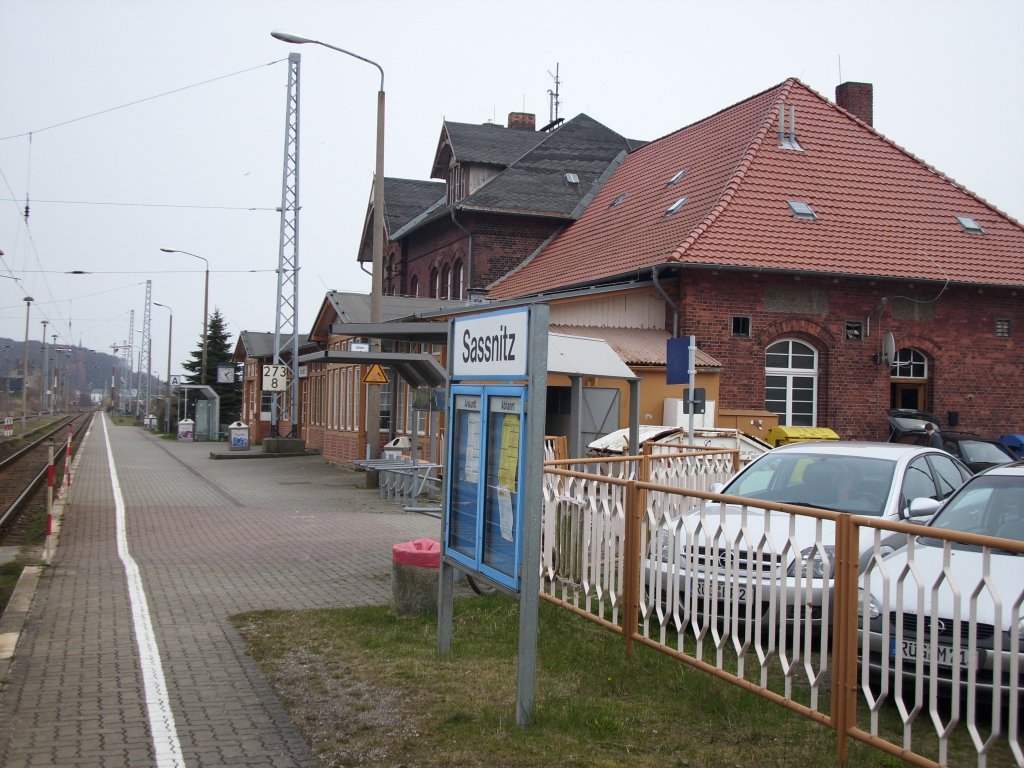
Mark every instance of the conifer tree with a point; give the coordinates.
(219, 351)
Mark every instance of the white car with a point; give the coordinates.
(742, 556)
(959, 604)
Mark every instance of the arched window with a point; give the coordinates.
(910, 363)
(414, 287)
(444, 291)
(791, 383)
(457, 279)
(433, 283)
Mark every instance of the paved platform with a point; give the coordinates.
(194, 542)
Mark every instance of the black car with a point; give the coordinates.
(908, 421)
(976, 452)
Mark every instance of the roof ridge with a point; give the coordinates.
(741, 169)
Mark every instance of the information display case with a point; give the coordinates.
(485, 499)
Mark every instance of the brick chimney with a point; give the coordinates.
(857, 99)
(522, 121)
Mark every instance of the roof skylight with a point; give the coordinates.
(572, 178)
(618, 200)
(676, 206)
(970, 225)
(677, 177)
(802, 210)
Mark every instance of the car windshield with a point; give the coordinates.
(991, 505)
(842, 483)
(978, 451)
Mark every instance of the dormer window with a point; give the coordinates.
(457, 183)
(676, 206)
(802, 210)
(676, 177)
(970, 225)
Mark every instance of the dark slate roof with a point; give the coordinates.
(259, 344)
(355, 307)
(487, 144)
(405, 199)
(536, 182)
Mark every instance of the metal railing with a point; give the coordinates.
(768, 597)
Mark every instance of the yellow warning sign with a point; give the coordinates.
(375, 375)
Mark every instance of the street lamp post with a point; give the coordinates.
(206, 308)
(24, 376)
(45, 389)
(377, 278)
(167, 401)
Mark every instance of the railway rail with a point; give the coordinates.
(23, 473)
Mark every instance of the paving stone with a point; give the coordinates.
(210, 539)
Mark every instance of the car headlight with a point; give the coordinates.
(812, 562)
(874, 607)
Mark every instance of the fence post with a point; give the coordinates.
(631, 580)
(844, 646)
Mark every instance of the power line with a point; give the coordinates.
(145, 205)
(139, 101)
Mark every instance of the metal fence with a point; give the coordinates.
(769, 597)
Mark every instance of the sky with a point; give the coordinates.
(131, 126)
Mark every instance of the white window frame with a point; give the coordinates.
(791, 373)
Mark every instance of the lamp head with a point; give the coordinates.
(286, 38)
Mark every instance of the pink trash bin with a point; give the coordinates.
(414, 569)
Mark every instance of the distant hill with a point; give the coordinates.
(86, 369)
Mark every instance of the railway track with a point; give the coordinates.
(23, 471)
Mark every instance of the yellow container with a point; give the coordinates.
(783, 435)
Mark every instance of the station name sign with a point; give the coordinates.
(491, 345)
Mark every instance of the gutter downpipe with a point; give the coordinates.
(668, 300)
(469, 253)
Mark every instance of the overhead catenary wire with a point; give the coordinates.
(138, 101)
(151, 205)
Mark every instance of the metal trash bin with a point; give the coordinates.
(239, 435)
(187, 430)
(398, 446)
(783, 435)
(414, 570)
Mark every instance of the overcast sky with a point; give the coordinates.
(200, 169)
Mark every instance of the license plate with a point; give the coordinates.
(944, 655)
(720, 591)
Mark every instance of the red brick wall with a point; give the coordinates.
(500, 243)
(970, 370)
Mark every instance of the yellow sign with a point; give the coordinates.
(375, 375)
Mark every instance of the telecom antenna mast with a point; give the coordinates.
(146, 351)
(286, 337)
(553, 102)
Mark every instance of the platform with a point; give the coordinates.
(141, 593)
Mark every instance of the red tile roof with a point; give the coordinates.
(881, 212)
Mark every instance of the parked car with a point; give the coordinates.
(975, 451)
(936, 623)
(904, 421)
(717, 547)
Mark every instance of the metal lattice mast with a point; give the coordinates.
(129, 356)
(146, 351)
(286, 337)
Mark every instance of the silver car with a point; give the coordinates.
(950, 614)
(744, 560)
